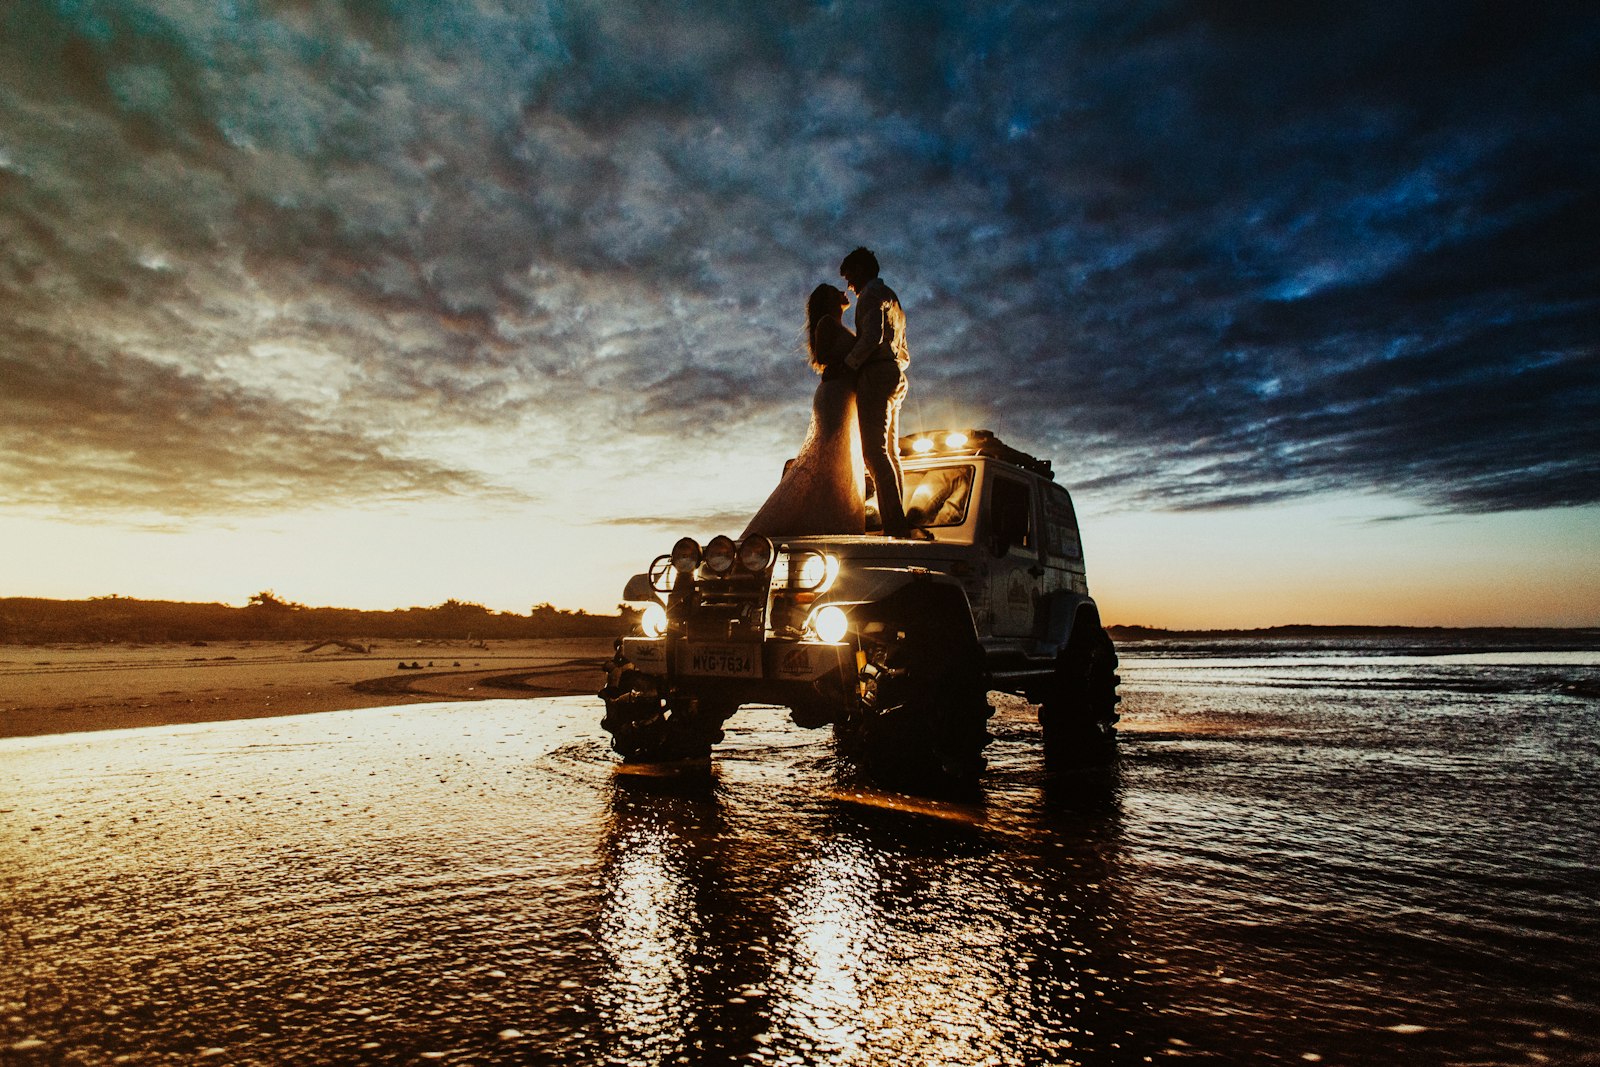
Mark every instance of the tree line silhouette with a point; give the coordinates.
(267, 616)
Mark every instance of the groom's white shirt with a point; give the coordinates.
(880, 327)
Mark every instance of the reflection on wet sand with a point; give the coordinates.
(853, 928)
(1393, 873)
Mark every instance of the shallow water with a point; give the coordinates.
(1328, 856)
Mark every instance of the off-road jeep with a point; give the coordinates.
(895, 642)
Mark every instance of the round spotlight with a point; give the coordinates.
(686, 555)
(720, 554)
(922, 444)
(955, 440)
(830, 623)
(661, 574)
(755, 553)
(653, 621)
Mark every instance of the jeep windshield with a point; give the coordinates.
(938, 496)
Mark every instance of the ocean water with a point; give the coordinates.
(1315, 852)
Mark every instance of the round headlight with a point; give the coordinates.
(686, 555)
(653, 621)
(830, 623)
(755, 553)
(720, 554)
(816, 571)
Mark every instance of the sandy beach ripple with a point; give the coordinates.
(70, 688)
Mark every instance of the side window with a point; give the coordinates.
(1011, 513)
(1062, 524)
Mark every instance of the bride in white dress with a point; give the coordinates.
(820, 492)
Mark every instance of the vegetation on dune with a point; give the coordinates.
(27, 620)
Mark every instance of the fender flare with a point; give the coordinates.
(920, 595)
(1069, 614)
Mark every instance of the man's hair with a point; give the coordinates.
(861, 263)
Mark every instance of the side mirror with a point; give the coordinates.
(640, 591)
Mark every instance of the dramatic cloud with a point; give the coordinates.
(1202, 254)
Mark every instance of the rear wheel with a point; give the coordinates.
(1079, 712)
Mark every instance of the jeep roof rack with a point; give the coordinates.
(971, 443)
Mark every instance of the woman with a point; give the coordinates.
(820, 492)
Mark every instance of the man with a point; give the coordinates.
(880, 356)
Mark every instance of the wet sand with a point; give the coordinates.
(51, 689)
(1332, 858)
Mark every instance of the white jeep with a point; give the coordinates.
(895, 642)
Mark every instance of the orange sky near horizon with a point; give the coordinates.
(1327, 562)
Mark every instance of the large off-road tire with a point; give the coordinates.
(650, 726)
(1079, 712)
(922, 706)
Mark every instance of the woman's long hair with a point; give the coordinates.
(822, 304)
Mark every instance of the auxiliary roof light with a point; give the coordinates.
(955, 439)
(686, 555)
(755, 553)
(720, 554)
(922, 444)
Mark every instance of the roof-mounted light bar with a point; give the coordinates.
(970, 443)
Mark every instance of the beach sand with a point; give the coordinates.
(52, 689)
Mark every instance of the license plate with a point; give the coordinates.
(728, 661)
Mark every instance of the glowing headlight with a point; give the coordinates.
(653, 622)
(720, 554)
(755, 553)
(686, 555)
(955, 440)
(922, 444)
(830, 623)
(817, 571)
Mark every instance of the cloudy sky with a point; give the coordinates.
(380, 302)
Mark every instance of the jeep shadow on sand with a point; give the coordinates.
(894, 642)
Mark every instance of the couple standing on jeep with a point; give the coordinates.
(855, 414)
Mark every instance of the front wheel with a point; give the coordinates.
(650, 725)
(921, 706)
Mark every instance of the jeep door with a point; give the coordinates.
(1013, 543)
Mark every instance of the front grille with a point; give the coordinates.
(727, 609)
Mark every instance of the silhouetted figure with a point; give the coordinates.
(880, 355)
(820, 492)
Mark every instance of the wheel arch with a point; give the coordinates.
(1071, 615)
(921, 597)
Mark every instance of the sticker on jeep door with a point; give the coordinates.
(729, 661)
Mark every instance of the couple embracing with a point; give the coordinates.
(855, 415)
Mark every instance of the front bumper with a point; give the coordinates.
(747, 662)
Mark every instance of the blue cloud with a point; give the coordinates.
(1207, 254)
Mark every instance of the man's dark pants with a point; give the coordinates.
(880, 389)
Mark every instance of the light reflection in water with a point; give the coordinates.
(833, 928)
(647, 931)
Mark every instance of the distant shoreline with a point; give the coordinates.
(1433, 638)
(1334, 630)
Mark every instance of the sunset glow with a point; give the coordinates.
(386, 306)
